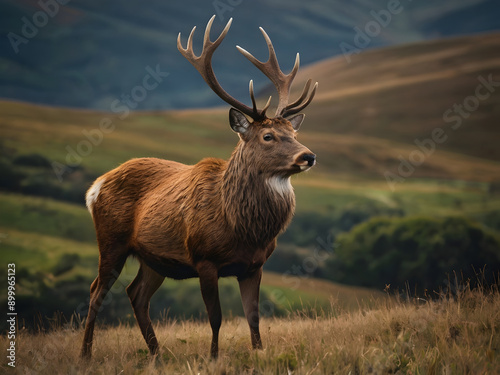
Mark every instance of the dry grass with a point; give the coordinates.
(449, 336)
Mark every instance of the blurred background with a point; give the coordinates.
(406, 193)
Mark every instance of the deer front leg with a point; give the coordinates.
(209, 283)
(249, 290)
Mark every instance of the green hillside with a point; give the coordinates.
(364, 121)
(385, 100)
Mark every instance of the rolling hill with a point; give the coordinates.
(89, 53)
(386, 102)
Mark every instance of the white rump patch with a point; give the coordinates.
(92, 194)
(280, 185)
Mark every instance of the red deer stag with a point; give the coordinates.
(214, 219)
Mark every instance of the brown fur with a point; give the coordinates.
(213, 219)
(219, 216)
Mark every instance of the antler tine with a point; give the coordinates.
(296, 107)
(272, 70)
(203, 64)
(267, 105)
(206, 37)
(305, 91)
(252, 96)
(189, 42)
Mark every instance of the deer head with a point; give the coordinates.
(274, 140)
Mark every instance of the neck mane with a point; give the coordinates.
(257, 207)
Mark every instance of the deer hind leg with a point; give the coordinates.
(140, 292)
(249, 290)
(110, 265)
(209, 283)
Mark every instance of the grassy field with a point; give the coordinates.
(457, 334)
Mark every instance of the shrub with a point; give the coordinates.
(420, 251)
(32, 160)
(306, 227)
(10, 178)
(66, 263)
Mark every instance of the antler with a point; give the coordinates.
(203, 64)
(282, 81)
(271, 69)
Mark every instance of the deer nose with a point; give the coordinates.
(310, 158)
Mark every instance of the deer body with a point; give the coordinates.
(172, 215)
(213, 219)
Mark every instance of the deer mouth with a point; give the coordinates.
(298, 168)
(307, 163)
(305, 168)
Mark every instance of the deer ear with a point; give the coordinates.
(239, 123)
(296, 121)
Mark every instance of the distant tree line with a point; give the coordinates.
(372, 245)
(422, 253)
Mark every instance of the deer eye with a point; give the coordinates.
(268, 137)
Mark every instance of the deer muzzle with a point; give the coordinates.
(305, 161)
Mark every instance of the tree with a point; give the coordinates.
(421, 251)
